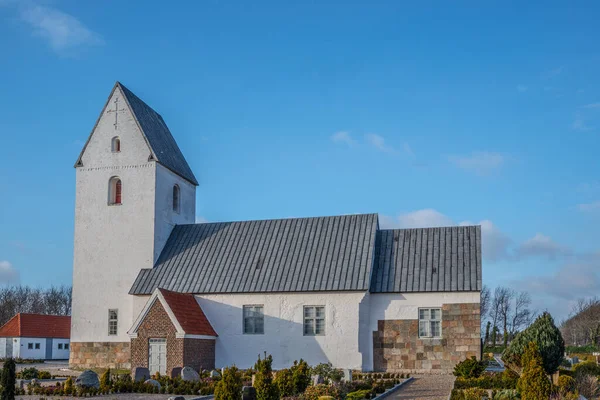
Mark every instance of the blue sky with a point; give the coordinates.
(428, 113)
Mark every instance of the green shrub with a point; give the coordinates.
(586, 368)
(9, 379)
(489, 380)
(468, 394)
(506, 394)
(590, 348)
(327, 372)
(548, 340)
(44, 375)
(68, 388)
(265, 388)
(326, 398)
(300, 376)
(358, 395)
(29, 373)
(229, 386)
(566, 384)
(105, 382)
(533, 383)
(469, 368)
(285, 382)
(316, 391)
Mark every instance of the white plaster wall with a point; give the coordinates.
(3, 347)
(402, 306)
(165, 217)
(283, 337)
(25, 352)
(60, 354)
(112, 243)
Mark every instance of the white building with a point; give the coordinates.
(36, 337)
(153, 288)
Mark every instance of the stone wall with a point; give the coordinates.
(195, 353)
(397, 347)
(100, 354)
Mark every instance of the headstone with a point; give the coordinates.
(88, 379)
(141, 374)
(214, 374)
(153, 382)
(574, 360)
(175, 372)
(176, 398)
(348, 375)
(248, 393)
(189, 374)
(316, 380)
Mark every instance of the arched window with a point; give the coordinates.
(115, 144)
(115, 190)
(176, 198)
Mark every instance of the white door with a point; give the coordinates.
(157, 356)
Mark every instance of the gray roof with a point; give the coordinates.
(158, 136)
(281, 255)
(428, 260)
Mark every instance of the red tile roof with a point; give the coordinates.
(188, 313)
(38, 326)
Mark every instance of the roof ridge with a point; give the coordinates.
(430, 227)
(279, 219)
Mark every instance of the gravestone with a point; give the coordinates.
(176, 398)
(248, 393)
(316, 379)
(153, 382)
(88, 379)
(189, 374)
(141, 374)
(175, 372)
(348, 375)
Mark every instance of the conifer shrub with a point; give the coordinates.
(533, 383)
(9, 379)
(565, 385)
(544, 333)
(230, 386)
(105, 383)
(316, 391)
(285, 382)
(469, 368)
(266, 389)
(68, 387)
(300, 376)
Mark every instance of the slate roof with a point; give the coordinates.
(157, 134)
(37, 326)
(281, 255)
(428, 260)
(342, 253)
(188, 313)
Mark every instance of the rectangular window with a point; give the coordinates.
(430, 322)
(37, 346)
(30, 346)
(113, 318)
(66, 346)
(314, 320)
(254, 320)
(60, 346)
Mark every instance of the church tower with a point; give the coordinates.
(133, 185)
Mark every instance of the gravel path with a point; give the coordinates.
(426, 387)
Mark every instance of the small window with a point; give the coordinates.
(254, 320)
(314, 320)
(30, 346)
(176, 198)
(66, 346)
(430, 322)
(37, 346)
(115, 191)
(60, 346)
(115, 144)
(113, 318)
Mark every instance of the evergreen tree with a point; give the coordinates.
(494, 335)
(105, 381)
(230, 385)
(263, 382)
(487, 334)
(300, 376)
(533, 383)
(9, 379)
(548, 340)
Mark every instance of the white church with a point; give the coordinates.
(153, 288)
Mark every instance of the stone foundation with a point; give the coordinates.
(100, 354)
(398, 348)
(196, 353)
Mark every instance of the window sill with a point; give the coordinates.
(115, 204)
(113, 151)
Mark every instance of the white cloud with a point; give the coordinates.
(343, 137)
(553, 72)
(8, 274)
(592, 105)
(378, 142)
(426, 218)
(200, 219)
(589, 207)
(522, 88)
(495, 243)
(63, 31)
(540, 246)
(579, 124)
(479, 162)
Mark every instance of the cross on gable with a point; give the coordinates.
(116, 111)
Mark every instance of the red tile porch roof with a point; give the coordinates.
(37, 326)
